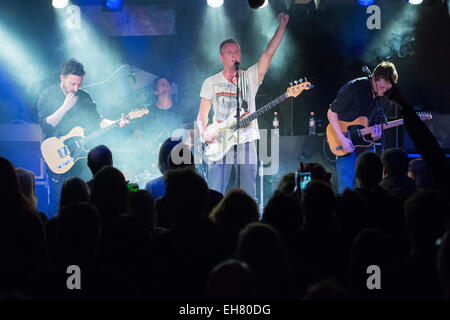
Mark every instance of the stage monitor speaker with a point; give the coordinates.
(439, 126)
(296, 149)
(292, 151)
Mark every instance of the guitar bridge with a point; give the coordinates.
(65, 163)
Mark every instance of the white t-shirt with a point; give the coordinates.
(222, 94)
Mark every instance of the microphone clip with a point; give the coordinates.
(236, 66)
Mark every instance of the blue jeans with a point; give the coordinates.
(219, 172)
(56, 181)
(345, 169)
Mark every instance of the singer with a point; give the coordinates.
(61, 107)
(220, 92)
(355, 99)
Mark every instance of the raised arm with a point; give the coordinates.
(424, 141)
(266, 57)
(57, 116)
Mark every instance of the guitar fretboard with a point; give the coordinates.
(98, 133)
(246, 121)
(395, 123)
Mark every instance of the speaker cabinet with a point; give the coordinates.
(20, 143)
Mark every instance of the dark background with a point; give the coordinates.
(329, 46)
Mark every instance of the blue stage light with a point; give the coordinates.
(113, 4)
(366, 2)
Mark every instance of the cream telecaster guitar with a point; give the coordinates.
(226, 131)
(359, 132)
(61, 153)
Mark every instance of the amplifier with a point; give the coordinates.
(20, 143)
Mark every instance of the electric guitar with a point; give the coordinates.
(226, 131)
(61, 153)
(359, 132)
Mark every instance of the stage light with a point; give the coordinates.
(59, 4)
(255, 4)
(366, 2)
(265, 4)
(215, 3)
(414, 1)
(113, 4)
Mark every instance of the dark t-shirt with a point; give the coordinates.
(83, 113)
(160, 124)
(355, 99)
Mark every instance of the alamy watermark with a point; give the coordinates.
(374, 280)
(74, 280)
(374, 20)
(269, 156)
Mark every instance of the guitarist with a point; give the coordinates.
(219, 91)
(60, 108)
(355, 99)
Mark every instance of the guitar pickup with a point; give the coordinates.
(64, 151)
(64, 163)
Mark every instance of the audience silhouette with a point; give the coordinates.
(179, 240)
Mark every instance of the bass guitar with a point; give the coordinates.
(359, 132)
(226, 131)
(61, 153)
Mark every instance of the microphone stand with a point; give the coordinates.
(238, 122)
(381, 115)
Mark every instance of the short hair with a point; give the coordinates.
(317, 170)
(186, 194)
(234, 41)
(155, 82)
(421, 174)
(164, 153)
(368, 169)
(73, 66)
(395, 161)
(99, 157)
(184, 154)
(387, 71)
(73, 190)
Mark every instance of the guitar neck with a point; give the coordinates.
(388, 125)
(100, 132)
(246, 121)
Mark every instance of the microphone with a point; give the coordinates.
(236, 66)
(366, 70)
(132, 75)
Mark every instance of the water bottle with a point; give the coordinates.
(275, 122)
(312, 124)
(319, 128)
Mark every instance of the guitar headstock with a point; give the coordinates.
(134, 114)
(297, 87)
(425, 115)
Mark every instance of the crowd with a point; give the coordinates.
(191, 242)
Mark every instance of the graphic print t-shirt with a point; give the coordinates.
(222, 94)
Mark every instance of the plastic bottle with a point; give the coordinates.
(319, 127)
(275, 122)
(312, 124)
